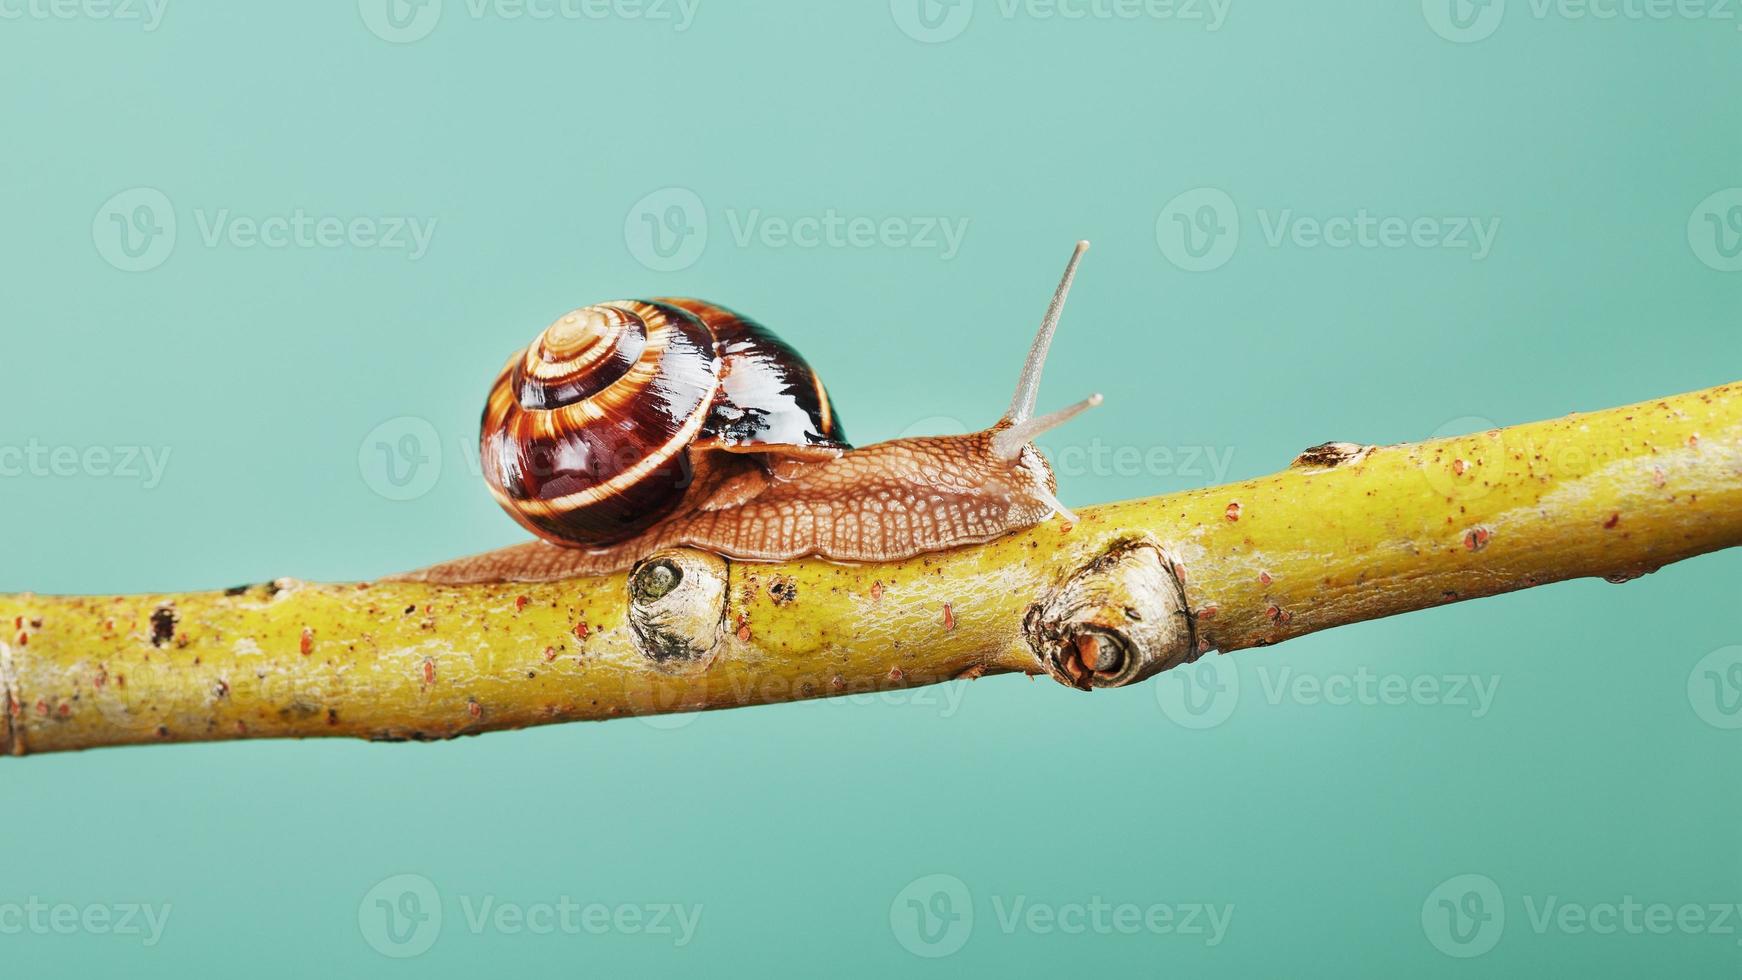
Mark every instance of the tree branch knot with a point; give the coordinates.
(1117, 620)
(677, 606)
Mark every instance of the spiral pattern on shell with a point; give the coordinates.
(590, 435)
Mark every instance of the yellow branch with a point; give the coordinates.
(1346, 534)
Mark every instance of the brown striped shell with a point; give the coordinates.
(599, 428)
(631, 427)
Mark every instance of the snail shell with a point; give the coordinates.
(633, 427)
(594, 432)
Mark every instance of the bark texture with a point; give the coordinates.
(1344, 534)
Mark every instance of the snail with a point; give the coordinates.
(632, 426)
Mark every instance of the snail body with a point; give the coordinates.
(633, 426)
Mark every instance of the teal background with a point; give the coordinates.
(1593, 775)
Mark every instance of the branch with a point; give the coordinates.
(1346, 533)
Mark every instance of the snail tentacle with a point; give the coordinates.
(1007, 442)
(1028, 385)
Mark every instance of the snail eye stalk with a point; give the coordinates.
(1028, 386)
